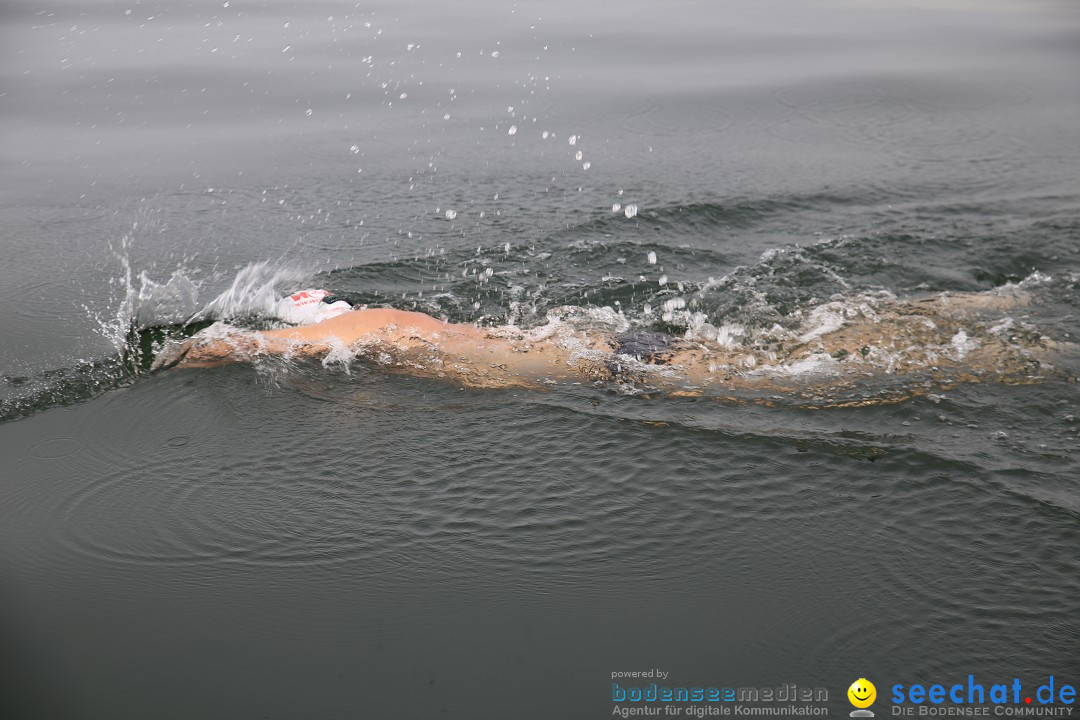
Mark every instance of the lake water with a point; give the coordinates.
(300, 541)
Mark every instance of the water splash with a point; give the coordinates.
(141, 317)
(254, 292)
(586, 277)
(141, 302)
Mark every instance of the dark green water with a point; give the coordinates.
(300, 541)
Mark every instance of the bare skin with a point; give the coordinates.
(946, 338)
(414, 341)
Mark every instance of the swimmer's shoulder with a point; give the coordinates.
(371, 319)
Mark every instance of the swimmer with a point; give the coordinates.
(948, 338)
(327, 323)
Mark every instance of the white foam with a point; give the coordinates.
(824, 319)
(817, 364)
(728, 335)
(962, 345)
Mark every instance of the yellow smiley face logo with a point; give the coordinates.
(862, 693)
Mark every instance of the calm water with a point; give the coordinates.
(301, 541)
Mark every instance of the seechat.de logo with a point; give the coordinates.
(862, 695)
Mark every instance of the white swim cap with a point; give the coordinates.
(307, 307)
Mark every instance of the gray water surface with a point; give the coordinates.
(305, 541)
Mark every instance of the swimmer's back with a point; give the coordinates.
(383, 322)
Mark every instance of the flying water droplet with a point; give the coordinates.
(630, 210)
(512, 130)
(451, 214)
(652, 257)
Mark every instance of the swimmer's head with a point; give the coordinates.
(307, 307)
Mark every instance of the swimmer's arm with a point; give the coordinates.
(199, 352)
(305, 340)
(195, 352)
